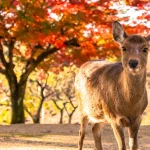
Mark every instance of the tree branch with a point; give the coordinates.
(3, 60)
(49, 94)
(8, 105)
(66, 108)
(2, 71)
(46, 80)
(33, 93)
(32, 64)
(30, 114)
(54, 101)
(72, 42)
(10, 56)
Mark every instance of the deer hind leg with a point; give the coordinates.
(133, 132)
(119, 134)
(84, 123)
(97, 128)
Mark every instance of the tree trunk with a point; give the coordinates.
(37, 117)
(70, 115)
(70, 118)
(61, 116)
(17, 110)
(17, 91)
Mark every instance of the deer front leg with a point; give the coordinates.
(119, 134)
(84, 123)
(133, 132)
(97, 128)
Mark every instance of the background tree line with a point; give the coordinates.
(48, 91)
(44, 36)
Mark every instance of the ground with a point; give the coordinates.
(60, 137)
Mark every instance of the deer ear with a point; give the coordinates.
(118, 32)
(148, 39)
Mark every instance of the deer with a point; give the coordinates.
(114, 93)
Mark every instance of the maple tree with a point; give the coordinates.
(38, 32)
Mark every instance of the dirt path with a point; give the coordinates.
(59, 137)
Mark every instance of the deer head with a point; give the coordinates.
(134, 49)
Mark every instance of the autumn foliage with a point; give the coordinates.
(45, 23)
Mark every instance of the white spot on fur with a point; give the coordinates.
(131, 142)
(94, 120)
(134, 71)
(130, 69)
(137, 69)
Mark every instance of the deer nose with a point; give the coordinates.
(133, 63)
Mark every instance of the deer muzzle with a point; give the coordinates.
(133, 63)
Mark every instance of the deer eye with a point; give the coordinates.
(145, 50)
(124, 49)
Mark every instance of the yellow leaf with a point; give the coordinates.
(100, 42)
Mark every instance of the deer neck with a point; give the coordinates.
(133, 85)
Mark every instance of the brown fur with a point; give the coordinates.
(113, 92)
